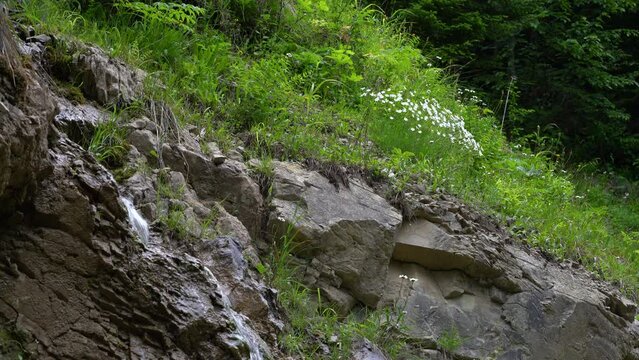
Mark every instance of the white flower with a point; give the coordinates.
(437, 119)
(402, 276)
(413, 280)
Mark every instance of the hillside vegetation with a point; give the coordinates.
(341, 83)
(567, 69)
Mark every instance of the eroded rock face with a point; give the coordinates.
(227, 183)
(26, 110)
(346, 232)
(107, 80)
(74, 278)
(506, 301)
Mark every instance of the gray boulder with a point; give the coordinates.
(365, 350)
(227, 183)
(347, 232)
(506, 301)
(145, 142)
(107, 80)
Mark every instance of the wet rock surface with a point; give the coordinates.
(26, 110)
(76, 281)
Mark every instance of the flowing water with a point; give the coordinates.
(137, 221)
(245, 332)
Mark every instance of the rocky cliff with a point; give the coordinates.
(82, 275)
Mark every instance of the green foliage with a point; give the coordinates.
(48, 16)
(183, 16)
(12, 344)
(176, 223)
(449, 341)
(571, 62)
(108, 143)
(247, 21)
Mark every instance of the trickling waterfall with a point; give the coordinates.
(137, 221)
(244, 332)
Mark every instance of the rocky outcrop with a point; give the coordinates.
(76, 282)
(506, 301)
(227, 182)
(26, 110)
(345, 234)
(105, 79)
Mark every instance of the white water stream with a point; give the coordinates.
(245, 332)
(137, 221)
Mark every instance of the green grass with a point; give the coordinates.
(108, 143)
(317, 331)
(292, 83)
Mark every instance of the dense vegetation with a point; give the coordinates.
(339, 82)
(567, 68)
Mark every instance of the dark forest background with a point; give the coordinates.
(569, 69)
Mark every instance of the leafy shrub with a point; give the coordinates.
(424, 115)
(183, 16)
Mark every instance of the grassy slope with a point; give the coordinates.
(295, 81)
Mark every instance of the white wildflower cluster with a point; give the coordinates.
(425, 115)
(471, 96)
(405, 277)
(388, 172)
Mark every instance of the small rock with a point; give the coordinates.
(453, 292)
(342, 301)
(218, 158)
(253, 163)
(365, 350)
(143, 140)
(42, 39)
(236, 155)
(138, 124)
